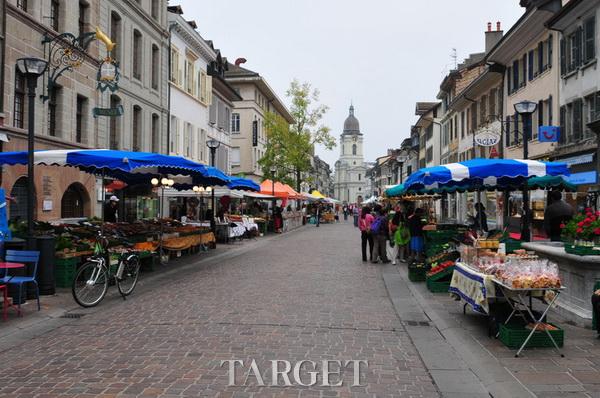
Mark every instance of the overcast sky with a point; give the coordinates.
(384, 55)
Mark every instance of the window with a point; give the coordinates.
(205, 88)
(227, 119)
(530, 65)
(354, 149)
(550, 50)
(115, 36)
(507, 136)
(83, 17)
(541, 61)
(187, 139)
(483, 110)
(202, 144)
(72, 202)
(22, 4)
(563, 125)
(540, 119)
(174, 144)
(155, 66)
(492, 111)
(154, 9)
(235, 156)
(136, 128)
(54, 12)
(221, 117)
(359, 176)
(115, 133)
(577, 120)
(473, 117)
(429, 154)
(589, 39)
(176, 74)
(155, 133)
(462, 124)
(235, 122)
(189, 76)
(523, 78)
(19, 104)
(137, 54)
(515, 79)
(52, 109)
(80, 118)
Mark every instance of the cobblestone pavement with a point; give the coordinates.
(300, 296)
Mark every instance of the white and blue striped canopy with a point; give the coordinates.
(484, 173)
(127, 166)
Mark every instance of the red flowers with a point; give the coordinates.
(562, 226)
(597, 231)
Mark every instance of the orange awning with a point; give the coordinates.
(266, 188)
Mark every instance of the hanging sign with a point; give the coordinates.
(118, 111)
(108, 75)
(487, 138)
(548, 133)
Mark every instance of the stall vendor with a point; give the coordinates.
(596, 307)
(111, 209)
(558, 212)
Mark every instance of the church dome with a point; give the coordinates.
(351, 125)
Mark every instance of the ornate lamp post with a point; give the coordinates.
(162, 183)
(401, 159)
(212, 144)
(32, 69)
(525, 109)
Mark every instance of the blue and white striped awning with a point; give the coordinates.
(484, 173)
(124, 165)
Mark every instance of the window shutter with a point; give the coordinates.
(209, 97)
(590, 39)
(550, 50)
(563, 125)
(516, 128)
(578, 47)
(179, 71)
(515, 75)
(540, 56)
(577, 119)
(530, 65)
(550, 113)
(524, 67)
(509, 80)
(563, 56)
(507, 132)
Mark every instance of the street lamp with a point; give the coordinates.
(31, 69)
(273, 170)
(401, 160)
(163, 183)
(212, 144)
(525, 109)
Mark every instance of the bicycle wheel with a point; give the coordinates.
(90, 284)
(129, 278)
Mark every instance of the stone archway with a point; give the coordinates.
(75, 201)
(18, 206)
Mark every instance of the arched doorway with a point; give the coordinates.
(74, 201)
(18, 206)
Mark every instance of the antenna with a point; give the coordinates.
(454, 58)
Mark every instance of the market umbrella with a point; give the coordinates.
(483, 172)
(318, 194)
(127, 166)
(396, 190)
(548, 182)
(266, 188)
(292, 194)
(243, 184)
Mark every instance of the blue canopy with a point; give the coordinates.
(131, 167)
(482, 174)
(243, 184)
(396, 190)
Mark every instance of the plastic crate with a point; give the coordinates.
(417, 274)
(65, 269)
(514, 334)
(438, 286)
(443, 275)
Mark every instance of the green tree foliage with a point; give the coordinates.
(290, 147)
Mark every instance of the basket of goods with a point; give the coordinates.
(417, 271)
(530, 274)
(438, 278)
(514, 333)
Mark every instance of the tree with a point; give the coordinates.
(290, 147)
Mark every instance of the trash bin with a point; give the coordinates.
(45, 276)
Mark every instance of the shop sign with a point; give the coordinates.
(118, 111)
(487, 138)
(586, 177)
(255, 133)
(581, 159)
(548, 133)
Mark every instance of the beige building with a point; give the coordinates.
(63, 119)
(248, 135)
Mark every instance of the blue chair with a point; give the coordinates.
(17, 256)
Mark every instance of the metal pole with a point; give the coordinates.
(212, 192)
(274, 201)
(31, 85)
(401, 172)
(525, 228)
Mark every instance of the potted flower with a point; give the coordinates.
(583, 229)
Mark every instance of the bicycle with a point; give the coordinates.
(91, 280)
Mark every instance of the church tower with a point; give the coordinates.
(350, 169)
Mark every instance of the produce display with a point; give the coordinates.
(439, 268)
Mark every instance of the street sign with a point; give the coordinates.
(487, 138)
(548, 133)
(255, 133)
(118, 111)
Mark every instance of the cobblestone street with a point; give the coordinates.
(300, 296)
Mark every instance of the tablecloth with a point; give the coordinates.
(474, 287)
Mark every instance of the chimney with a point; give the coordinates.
(492, 37)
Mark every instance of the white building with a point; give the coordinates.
(190, 90)
(350, 181)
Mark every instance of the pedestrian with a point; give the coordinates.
(345, 210)
(400, 236)
(557, 213)
(364, 225)
(415, 226)
(380, 232)
(355, 214)
(480, 218)
(111, 209)
(596, 308)
(318, 214)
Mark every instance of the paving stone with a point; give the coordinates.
(550, 378)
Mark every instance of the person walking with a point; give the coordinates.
(415, 226)
(355, 212)
(318, 214)
(364, 225)
(480, 218)
(380, 231)
(558, 212)
(400, 235)
(345, 210)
